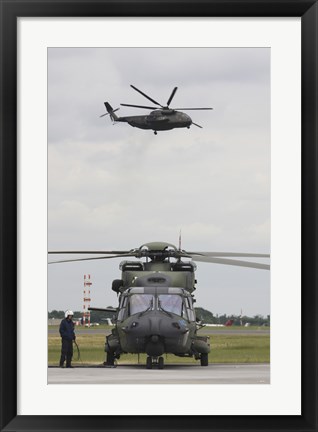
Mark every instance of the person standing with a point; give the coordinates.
(68, 336)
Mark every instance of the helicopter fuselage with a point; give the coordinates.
(157, 321)
(158, 120)
(156, 311)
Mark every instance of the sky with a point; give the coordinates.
(118, 187)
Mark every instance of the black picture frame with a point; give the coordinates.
(10, 11)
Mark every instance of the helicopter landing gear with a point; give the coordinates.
(204, 359)
(157, 361)
(160, 363)
(110, 360)
(149, 363)
(155, 132)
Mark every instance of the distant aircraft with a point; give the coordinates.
(229, 323)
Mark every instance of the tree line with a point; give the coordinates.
(208, 317)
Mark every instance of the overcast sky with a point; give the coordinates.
(117, 187)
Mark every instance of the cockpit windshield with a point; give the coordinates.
(170, 303)
(140, 303)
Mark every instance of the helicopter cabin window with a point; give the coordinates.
(188, 302)
(171, 303)
(140, 303)
(122, 308)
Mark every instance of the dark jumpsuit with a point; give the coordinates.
(68, 335)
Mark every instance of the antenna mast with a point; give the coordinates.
(87, 300)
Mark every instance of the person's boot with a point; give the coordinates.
(68, 363)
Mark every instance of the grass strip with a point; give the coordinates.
(224, 349)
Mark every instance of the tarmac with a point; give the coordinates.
(171, 374)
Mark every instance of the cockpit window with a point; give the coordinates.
(171, 303)
(189, 306)
(140, 303)
(122, 308)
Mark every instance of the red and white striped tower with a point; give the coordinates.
(87, 299)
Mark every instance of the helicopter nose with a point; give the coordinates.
(187, 119)
(155, 346)
(155, 343)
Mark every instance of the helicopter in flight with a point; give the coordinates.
(161, 119)
(155, 313)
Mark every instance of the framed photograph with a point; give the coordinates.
(241, 176)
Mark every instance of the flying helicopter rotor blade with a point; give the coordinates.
(231, 262)
(187, 109)
(89, 259)
(146, 96)
(196, 124)
(172, 95)
(99, 252)
(230, 254)
(139, 106)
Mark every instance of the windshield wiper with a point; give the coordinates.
(146, 310)
(164, 310)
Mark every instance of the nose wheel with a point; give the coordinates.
(155, 132)
(154, 361)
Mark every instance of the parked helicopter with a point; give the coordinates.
(164, 118)
(155, 313)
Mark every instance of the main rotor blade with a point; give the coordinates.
(139, 106)
(230, 254)
(187, 109)
(146, 96)
(231, 262)
(172, 95)
(88, 259)
(92, 252)
(102, 309)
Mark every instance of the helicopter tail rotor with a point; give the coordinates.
(110, 112)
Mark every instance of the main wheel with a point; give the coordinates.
(204, 359)
(149, 363)
(160, 363)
